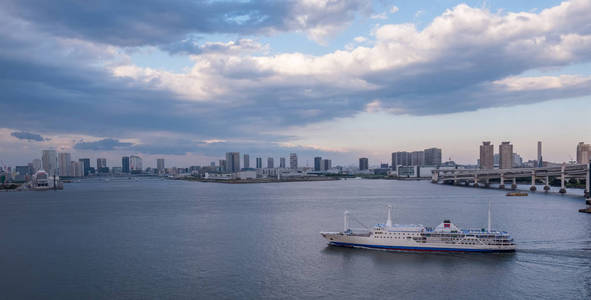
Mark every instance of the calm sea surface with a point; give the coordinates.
(173, 239)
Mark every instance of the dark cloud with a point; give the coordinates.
(23, 135)
(155, 22)
(104, 144)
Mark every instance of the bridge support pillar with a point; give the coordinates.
(502, 185)
(547, 186)
(514, 184)
(562, 178)
(475, 181)
(587, 184)
(533, 181)
(487, 183)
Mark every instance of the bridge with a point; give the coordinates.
(478, 177)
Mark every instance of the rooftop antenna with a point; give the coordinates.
(389, 221)
(489, 218)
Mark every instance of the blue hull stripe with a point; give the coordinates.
(406, 248)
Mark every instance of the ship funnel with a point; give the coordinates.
(346, 227)
(389, 221)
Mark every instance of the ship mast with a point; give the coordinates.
(489, 218)
(346, 221)
(389, 221)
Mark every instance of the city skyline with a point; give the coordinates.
(360, 79)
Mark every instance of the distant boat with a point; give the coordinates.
(516, 194)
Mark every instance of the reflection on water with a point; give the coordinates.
(172, 239)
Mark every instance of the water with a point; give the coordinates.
(175, 239)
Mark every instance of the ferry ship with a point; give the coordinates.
(446, 237)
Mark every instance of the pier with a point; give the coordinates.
(508, 177)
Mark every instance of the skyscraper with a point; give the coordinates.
(49, 161)
(259, 163)
(282, 162)
(363, 163)
(400, 159)
(232, 162)
(246, 160)
(135, 164)
(432, 157)
(85, 162)
(317, 163)
(326, 164)
(64, 160)
(540, 161)
(223, 165)
(583, 153)
(36, 164)
(417, 158)
(125, 164)
(293, 161)
(160, 164)
(270, 163)
(505, 155)
(487, 152)
(101, 165)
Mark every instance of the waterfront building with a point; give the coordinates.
(232, 162)
(76, 169)
(36, 164)
(270, 164)
(317, 163)
(417, 158)
(64, 160)
(246, 160)
(400, 159)
(49, 161)
(540, 161)
(383, 166)
(363, 163)
(85, 162)
(487, 151)
(432, 157)
(101, 165)
(160, 165)
(135, 164)
(505, 155)
(222, 166)
(259, 163)
(282, 162)
(125, 164)
(583, 153)
(326, 164)
(517, 160)
(293, 161)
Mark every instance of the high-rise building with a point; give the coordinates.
(293, 161)
(64, 160)
(160, 164)
(417, 158)
(101, 165)
(49, 161)
(270, 163)
(232, 162)
(432, 157)
(36, 164)
(326, 164)
(85, 162)
(505, 155)
(383, 166)
(76, 169)
(400, 159)
(487, 152)
(259, 163)
(135, 164)
(540, 161)
(223, 165)
(317, 163)
(282, 162)
(583, 153)
(125, 164)
(246, 161)
(517, 160)
(363, 163)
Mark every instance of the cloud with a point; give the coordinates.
(23, 135)
(380, 16)
(154, 22)
(104, 144)
(394, 9)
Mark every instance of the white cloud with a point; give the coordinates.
(394, 9)
(381, 16)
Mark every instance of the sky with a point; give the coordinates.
(342, 79)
